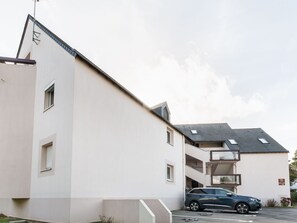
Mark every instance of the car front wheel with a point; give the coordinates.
(194, 206)
(242, 208)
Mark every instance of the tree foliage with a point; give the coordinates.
(293, 168)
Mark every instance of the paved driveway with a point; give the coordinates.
(267, 215)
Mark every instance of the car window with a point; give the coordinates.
(197, 191)
(222, 191)
(209, 191)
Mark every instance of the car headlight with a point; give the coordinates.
(253, 199)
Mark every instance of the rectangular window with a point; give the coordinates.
(194, 132)
(170, 173)
(49, 97)
(263, 140)
(232, 141)
(46, 157)
(169, 136)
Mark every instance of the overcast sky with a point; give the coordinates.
(231, 61)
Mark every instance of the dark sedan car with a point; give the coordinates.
(219, 198)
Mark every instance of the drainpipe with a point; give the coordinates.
(184, 164)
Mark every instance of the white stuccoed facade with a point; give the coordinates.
(106, 144)
(17, 90)
(260, 174)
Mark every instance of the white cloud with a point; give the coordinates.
(195, 91)
(126, 41)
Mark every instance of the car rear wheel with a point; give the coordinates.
(242, 208)
(194, 206)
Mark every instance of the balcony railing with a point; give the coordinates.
(226, 179)
(198, 168)
(224, 155)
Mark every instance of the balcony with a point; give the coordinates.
(226, 179)
(225, 155)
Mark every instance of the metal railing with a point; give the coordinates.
(224, 155)
(226, 179)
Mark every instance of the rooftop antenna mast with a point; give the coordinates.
(35, 34)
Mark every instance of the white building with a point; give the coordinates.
(75, 144)
(71, 137)
(247, 161)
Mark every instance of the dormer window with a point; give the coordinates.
(233, 141)
(194, 132)
(162, 110)
(263, 140)
(165, 113)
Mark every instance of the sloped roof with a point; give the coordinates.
(207, 132)
(247, 139)
(81, 57)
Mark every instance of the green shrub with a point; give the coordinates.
(104, 219)
(271, 203)
(294, 198)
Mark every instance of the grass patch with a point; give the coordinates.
(5, 219)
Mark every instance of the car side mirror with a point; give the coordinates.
(229, 194)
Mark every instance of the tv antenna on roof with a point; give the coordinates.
(35, 34)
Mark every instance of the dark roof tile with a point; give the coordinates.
(247, 139)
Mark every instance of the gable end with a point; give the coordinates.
(64, 45)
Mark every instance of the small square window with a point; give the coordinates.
(170, 173)
(169, 136)
(263, 140)
(194, 132)
(49, 97)
(46, 157)
(232, 141)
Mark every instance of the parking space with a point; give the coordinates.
(267, 215)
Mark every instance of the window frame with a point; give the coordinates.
(233, 141)
(46, 157)
(44, 154)
(263, 140)
(194, 131)
(49, 96)
(171, 172)
(170, 136)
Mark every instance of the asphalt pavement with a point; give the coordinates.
(266, 215)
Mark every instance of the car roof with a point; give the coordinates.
(195, 188)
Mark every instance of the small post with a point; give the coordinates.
(35, 34)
